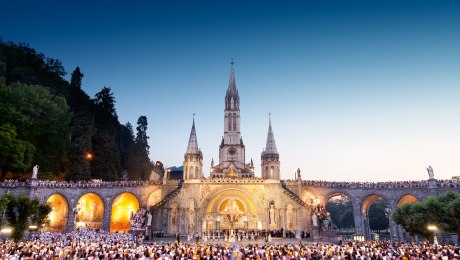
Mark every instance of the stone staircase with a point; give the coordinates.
(168, 197)
(294, 196)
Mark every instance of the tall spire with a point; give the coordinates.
(270, 148)
(231, 82)
(193, 142)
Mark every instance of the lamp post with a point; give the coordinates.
(433, 228)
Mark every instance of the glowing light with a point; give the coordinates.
(432, 227)
(89, 156)
(6, 230)
(33, 226)
(124, 207)
(58, 215)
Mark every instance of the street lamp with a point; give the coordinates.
(433, 228)
(89, 156)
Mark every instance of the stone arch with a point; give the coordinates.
(89, 211)
(368, 200)
(154, 198)
(339, 206)
(250, 209)
(59, 213)
(196, 172)
(367, 220)
(408, 198)
(190, 172)
(124, 206)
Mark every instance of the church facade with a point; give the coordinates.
(231, 198)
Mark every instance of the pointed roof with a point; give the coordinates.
(271, 145)
(231, 82)
(192, 141)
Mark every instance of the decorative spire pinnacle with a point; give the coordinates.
(232, 83)
(271, 145)
(193, 142)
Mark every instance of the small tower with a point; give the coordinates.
(193, 158)
(270, 158)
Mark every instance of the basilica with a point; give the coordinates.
(231, 198)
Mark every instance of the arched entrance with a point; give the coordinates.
(154, 198)
(340, 208)
(89, 211)
(124, 207)
(407, 199)
(232, 209)
(376, 217)
(58, 215)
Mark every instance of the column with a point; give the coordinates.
(359, 219)
(70, 225)
(107, 213)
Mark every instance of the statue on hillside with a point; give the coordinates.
(430, 172)
(35, 172)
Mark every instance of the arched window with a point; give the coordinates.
(196, 172)
(190, 172)
(229, 119)
(234, 122)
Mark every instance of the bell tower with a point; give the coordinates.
(232, 150)
(270, 157)
(193, 158)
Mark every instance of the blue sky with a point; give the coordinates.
(358, 90)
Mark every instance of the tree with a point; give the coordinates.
(378, 219)
(82, 126)
(442, 211)
(141, 136)
(15, 154)
(106, 163)
(341, 211)
(22, 211)
(126, 147)
(41, 119)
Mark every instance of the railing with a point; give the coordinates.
(294, 196)
(168, 197)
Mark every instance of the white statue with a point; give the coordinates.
(35, 171)
(314, 219)
(149, 219)
(430, 172)
(272, 214)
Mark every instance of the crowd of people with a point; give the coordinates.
(139, 220)
(454, 183)
(97, 244)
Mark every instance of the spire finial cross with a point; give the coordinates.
(193, 115)
(231, 61)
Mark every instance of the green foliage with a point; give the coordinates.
(82, 126)
(41, 120)
(442, 211)
(105, 164)
(341, 211)
(378, 218)
(4, 200)
(21, 63)
(15, 154)
(22, 211)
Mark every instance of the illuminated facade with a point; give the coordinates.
(231, 198)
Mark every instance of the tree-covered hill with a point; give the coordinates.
(48, 121)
